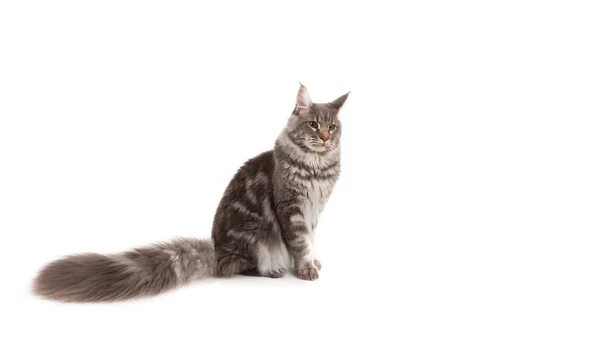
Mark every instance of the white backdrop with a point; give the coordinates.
(469, 201)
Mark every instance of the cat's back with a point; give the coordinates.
(249, 187)
(254, 175)
(260, 166)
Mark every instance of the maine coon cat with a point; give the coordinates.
(264, 224)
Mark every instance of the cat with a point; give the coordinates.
(264, 224)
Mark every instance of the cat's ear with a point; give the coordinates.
(303, 102)
(339, 102)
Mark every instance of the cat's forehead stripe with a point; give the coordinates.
(323, 113)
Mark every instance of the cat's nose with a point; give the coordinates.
(324, 137)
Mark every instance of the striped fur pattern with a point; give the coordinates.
(267, 217)
(264, 224)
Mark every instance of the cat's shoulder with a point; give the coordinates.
(263, 162)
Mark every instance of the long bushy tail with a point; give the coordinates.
(140, 272)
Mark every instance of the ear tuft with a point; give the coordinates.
(339, 102)
(303, 102)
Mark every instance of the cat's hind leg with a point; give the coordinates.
(272, 259)
(232, 264)
(253, 272)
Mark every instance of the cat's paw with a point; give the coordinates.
(307, 271)
(275, 274)
(317, 264)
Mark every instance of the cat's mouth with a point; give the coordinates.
(320, 147)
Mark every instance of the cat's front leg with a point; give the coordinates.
(316, 262)
(307, 271)
(298, 238)
(306, 266)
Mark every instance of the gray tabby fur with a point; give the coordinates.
(264, 224)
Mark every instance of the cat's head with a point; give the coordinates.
(315, 127)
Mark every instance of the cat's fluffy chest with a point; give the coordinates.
(315, 195)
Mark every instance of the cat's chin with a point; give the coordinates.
(319, 148)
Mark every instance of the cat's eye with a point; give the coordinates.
(332, 128)
(313, 124)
